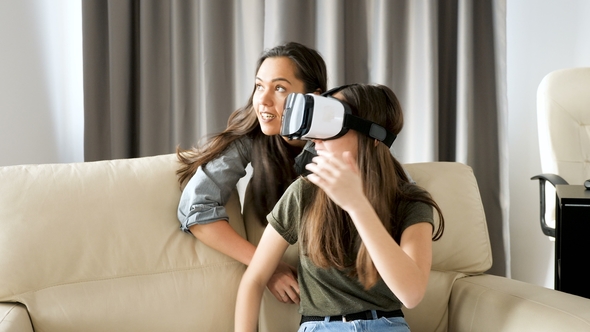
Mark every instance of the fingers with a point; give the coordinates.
(283, 284)
(338, 176)
(286, 294)
(334, 162)
(327, 168)
(291, 296)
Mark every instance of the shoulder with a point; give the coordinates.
(296, 190)
(296, 197)
(287, 213)
(239, 148)
(242, 144)
(412, 212)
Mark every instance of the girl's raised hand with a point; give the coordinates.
(338, 176)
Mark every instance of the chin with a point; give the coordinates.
(269, 131)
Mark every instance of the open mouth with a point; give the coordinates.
(267, 116)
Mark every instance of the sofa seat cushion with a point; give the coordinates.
(492, 303)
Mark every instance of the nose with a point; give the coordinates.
(265, 98)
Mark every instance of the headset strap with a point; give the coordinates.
(369, 128)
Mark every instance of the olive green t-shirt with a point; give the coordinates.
(329, 292)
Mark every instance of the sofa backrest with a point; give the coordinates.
(465, 245)
(97, 247)
(464, 248)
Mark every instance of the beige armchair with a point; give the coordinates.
(97, 247)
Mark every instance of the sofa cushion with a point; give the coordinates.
(14, 317)
(492, 303)
(434, 305)
(465, 245)
(82, 243)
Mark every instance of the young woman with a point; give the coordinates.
(210, 173)
(364, 230)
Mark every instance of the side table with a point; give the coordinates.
(572, 240)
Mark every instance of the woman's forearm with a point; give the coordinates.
(248, 303)
(220, 236)
(268, 255)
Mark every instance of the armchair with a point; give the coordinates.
(563, 117)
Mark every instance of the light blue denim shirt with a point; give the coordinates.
(203, 199)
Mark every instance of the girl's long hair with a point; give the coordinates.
(328, 236)
(272, 158)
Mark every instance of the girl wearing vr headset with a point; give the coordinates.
(364, 230)
(209, 174)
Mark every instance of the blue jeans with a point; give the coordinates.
(383, 324)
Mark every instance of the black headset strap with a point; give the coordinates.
(361, 125)
(369, 128)
(333, 90)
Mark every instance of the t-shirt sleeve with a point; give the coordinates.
(285, 217)
(417, 212)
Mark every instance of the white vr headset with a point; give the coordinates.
(310, 116)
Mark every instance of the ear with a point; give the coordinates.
(317, 92)
(376, 143)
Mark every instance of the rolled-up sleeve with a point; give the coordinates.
(203, 199)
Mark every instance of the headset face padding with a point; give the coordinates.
(310, 116)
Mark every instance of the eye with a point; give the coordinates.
(258, 87)
(280, 88)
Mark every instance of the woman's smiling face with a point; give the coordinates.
(275, 80)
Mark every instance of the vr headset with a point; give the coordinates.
(310, 116)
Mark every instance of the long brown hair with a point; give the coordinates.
(328, 236)
(272, 158)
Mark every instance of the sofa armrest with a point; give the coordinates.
(14, 318)
(492, 303)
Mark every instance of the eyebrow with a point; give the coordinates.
(278, 79)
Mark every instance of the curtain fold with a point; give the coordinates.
(163, 73)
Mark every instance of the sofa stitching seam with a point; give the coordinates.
(127, 276)
(8, 313)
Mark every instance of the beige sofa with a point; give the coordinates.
(97, 247)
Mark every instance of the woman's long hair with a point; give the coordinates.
(272, 158)
(328, 236)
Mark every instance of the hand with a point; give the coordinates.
(338, 176)
(283, 284)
